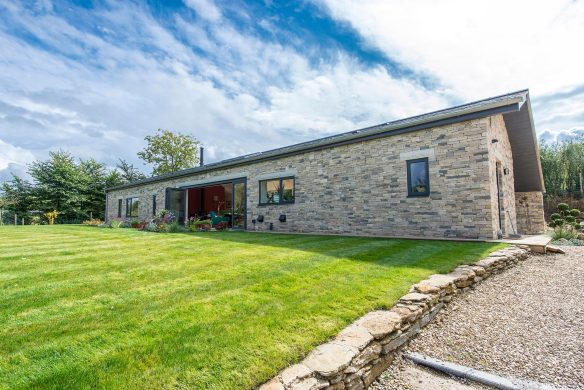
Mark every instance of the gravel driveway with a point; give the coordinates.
(527, 322)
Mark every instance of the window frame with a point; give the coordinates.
(120, 207)
(129, 203)
(280, 192)
(409, 176)
(154, 205)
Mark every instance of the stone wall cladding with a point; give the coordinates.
(501, 151)
(530, 213)
(366, 348)
(360, 188)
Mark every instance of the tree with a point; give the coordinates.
(93, 182)
(563, 167)
(4, 204)
(564, 222)
(74, 188)
(113, 178)
(129, 173)
(170, 152)
(61, 185)
(18, 197)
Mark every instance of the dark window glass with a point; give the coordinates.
(153, 204)
(132, 205)
(277, 191)
(119, 208)
(418, 177)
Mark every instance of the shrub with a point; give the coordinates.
(164, 216)
(51, 216)
(143, 224)
(161, 222)
(196, 224)
(176, 227)
(192, 223)
(564, 222)
(221, 225)
(570, 242)
(151, 227)
(93, 222)
(162, 228)
(115, 223)
(36, 220)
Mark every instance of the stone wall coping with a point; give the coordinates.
(278, 174)
(366, 348)
(415, 154)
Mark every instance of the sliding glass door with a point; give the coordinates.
(221, 202)
(239, 209)
(175, 202)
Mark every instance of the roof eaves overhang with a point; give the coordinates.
(527, 168)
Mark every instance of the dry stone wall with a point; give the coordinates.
(366, 348)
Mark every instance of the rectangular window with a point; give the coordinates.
(132, 207)
(153, 205)
(418, 177)
(119, 208)
(277, 191)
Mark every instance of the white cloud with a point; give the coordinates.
(344, 97)
(244, 95)
(478, 47)
(205, 8)
(13, 156)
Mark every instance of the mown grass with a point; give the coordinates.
(85, 307)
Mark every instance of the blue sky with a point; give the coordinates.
(95, 77)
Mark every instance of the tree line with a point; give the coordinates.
(76, 187)
(563, 168)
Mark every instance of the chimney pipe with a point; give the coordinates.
(201, 156)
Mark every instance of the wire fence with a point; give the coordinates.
(8, 217)
(551, 203)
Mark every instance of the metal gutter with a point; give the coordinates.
(483, 108)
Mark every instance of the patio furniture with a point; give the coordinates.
(215, 219)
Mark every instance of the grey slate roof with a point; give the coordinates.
(513, 102)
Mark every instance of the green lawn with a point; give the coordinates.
(86, 307)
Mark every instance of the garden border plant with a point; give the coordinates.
(565, 225)
(195, 224)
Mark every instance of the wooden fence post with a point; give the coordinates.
(15, 219)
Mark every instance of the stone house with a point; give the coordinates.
(471, 171)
